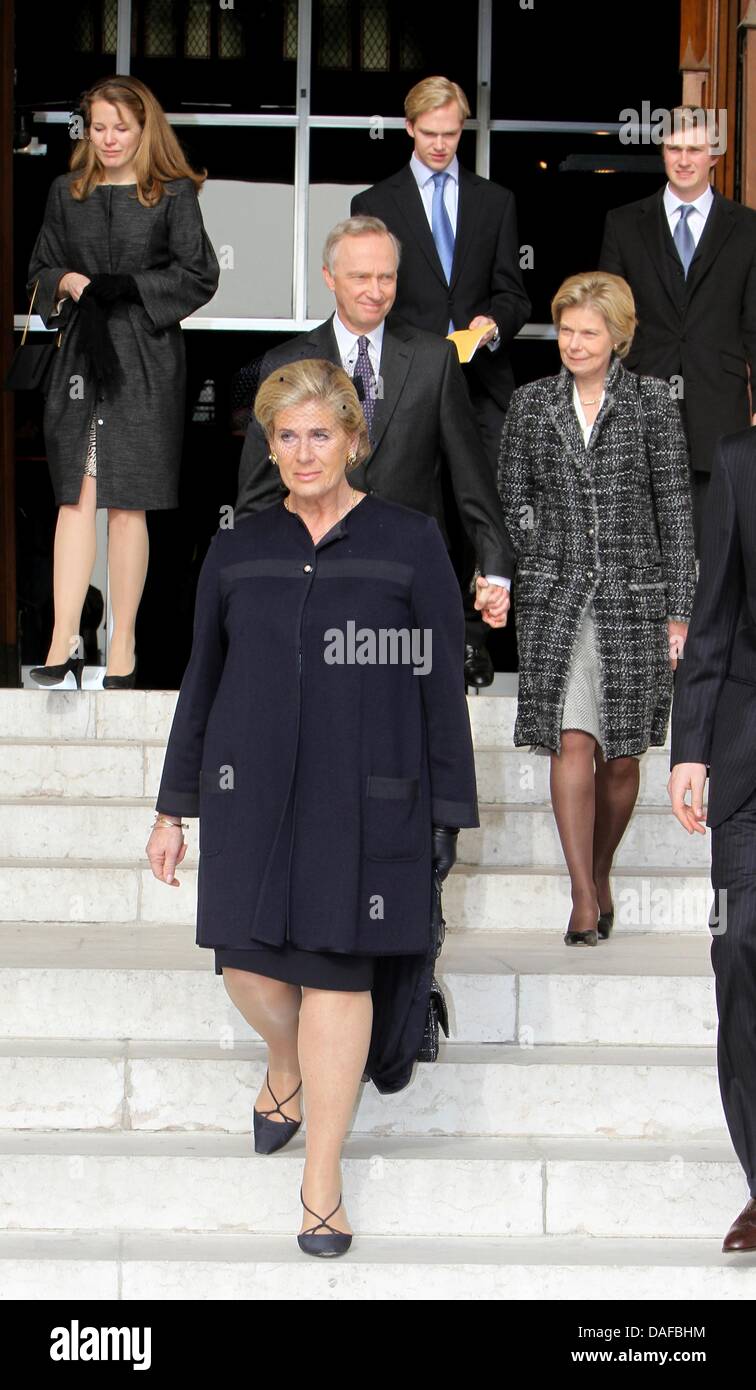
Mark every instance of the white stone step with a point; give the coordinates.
(515, 1091)
(146, 715)
(89, 829)
(104, 768)
(393, 1185)
(132, 981)
(482, 898)
(188, 1266)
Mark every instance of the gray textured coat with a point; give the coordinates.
(140, 424)
(608, 524)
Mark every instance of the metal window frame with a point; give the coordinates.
(302, 122)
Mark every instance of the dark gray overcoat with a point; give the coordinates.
(317, 780)
(140, 423)
(609, 524)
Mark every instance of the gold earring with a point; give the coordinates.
(273, 460)
(351, 459)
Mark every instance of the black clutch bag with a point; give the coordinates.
(437, 1017)
(32, 361)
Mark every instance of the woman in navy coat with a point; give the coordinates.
(322, 736)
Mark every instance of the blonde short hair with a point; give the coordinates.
(313, 379)
(609, 294)
(357, 226)
(431, 93)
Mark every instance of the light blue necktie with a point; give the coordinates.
(683, 238)
(441, 226)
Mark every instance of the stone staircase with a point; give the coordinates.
(569, 1142)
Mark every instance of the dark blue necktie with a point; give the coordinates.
(683, 237)
(364, 372)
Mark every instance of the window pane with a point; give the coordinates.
(374, 36)
(197, 31)
(558, 62)
(562, 199)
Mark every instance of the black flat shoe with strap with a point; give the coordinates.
(335, 1243)
(270, 1135)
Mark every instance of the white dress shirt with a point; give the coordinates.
(697, 218)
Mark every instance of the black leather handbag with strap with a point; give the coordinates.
(32, 361)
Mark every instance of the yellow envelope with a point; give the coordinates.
(467, 340)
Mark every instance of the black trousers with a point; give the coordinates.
(699, 486)
(733, 957)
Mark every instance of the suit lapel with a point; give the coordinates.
(410, 204)
(567, 425)
(657, 238)
(467, 204)
(396, 357)
(719, 225)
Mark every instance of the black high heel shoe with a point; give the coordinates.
(337, 1243)
(605, 924)
(53, 675)
(120, 682)
(269, 1134)
(582, 938)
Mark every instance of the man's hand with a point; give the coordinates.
(684, 778)
(678, 633)
(492, 602)
(480, 321)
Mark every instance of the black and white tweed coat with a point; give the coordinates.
(611, 525)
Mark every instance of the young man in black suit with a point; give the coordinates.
(460, 269)
(416, 406)
(689, 256)
(714, 729)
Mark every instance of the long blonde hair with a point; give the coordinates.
(159, 156)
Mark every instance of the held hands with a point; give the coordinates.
(677, 635)
(688, 777)
(165, 849)
(72, 285)
(492, 601)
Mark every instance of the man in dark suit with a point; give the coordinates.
(714, 728)
(689, 256)
(416, 407)
(460, 266)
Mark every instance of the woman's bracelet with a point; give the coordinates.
(163, 820)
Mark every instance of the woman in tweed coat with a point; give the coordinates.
(593, 477)
(121, 258)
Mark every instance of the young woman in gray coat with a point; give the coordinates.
(593, 477)
(121, 258)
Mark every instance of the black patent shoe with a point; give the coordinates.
(120, 682)
(605, 924)
(53, 675)
(479, 671)
(269, 1134)
(337, 1243)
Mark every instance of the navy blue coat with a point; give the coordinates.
(316, 783)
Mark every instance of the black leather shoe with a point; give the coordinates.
(271, 1135)
(53, 675)
(120, 682)
(479, 670)
(336, 1243)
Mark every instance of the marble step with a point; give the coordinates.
(515, 1091)
(133, 981)
(187, 1266)
(145, 715)
(481, 898)
(394, 1185)
(90, 829)
(103, 768)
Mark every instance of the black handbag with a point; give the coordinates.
(437, 1017)
(32, 361)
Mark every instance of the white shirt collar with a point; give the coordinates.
(346, 340)
(702, 204)
(422, 173)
